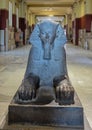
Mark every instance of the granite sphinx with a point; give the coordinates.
(46, 78)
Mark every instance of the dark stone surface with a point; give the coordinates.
(47, 60)
(46, 96)
(49, 114)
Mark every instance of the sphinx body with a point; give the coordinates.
(46, 73)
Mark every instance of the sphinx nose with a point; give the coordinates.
(47, 36)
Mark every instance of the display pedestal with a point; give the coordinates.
(47, 115)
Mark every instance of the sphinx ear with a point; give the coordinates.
(60, 34)
(34, 37)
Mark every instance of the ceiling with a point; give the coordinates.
(50, 7)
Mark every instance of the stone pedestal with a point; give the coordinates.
(48, 115)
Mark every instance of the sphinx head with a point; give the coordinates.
(48, 31)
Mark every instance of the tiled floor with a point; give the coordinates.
(80, 73)
(12, 69)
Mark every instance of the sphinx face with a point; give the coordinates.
(47, 32)
(47, 36)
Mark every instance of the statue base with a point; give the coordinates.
(48, 115)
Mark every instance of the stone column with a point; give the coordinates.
(3, 23)
(22, 19)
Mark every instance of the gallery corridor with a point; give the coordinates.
(12, 69)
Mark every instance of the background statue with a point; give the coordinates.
(46, 77)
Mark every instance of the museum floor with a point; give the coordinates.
(12, 69)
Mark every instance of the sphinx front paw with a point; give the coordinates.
(26, 93)
(64, 93)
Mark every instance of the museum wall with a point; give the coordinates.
(82, 23)
(13, 15)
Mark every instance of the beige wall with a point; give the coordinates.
(31, 18)
(4, 4)
(81, 8)
(88, 4)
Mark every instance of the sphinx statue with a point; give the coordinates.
(46, 77)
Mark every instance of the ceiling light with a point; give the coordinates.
(51, 15)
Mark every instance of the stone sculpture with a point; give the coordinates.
(46, 77)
